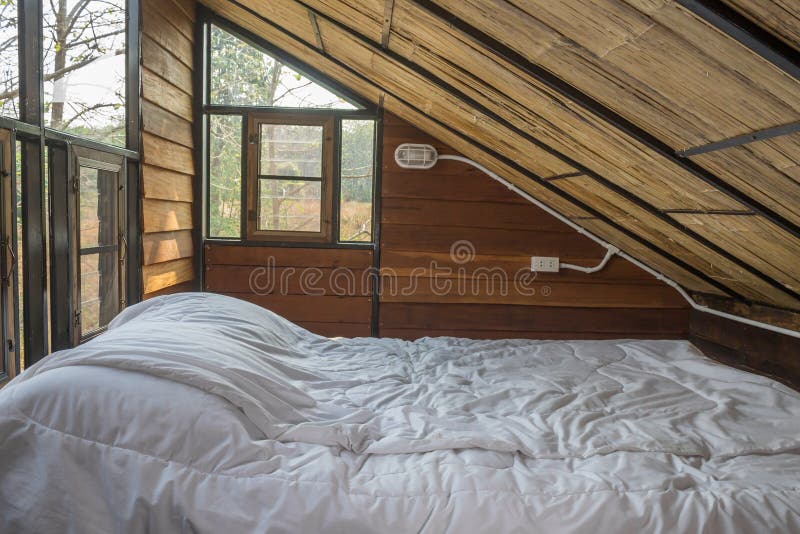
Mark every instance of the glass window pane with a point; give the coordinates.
(98, 236)
(9, 60)
(242, 75)
(84, 68)
(225, 175)
(99, 290)
(358, 165)
(289, 205)
(97, 203)
(291, 150)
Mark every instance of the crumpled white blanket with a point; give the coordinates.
(545, 399)
(203, 403)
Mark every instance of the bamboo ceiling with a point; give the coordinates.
(585, 103)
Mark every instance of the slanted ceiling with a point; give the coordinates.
(584, 104)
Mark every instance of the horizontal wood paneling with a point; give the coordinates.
(476, 317)
(328, 291)
(164, 215)
(166, 125)
(169, 273)
(311, 308)
(159, 91)
(167, 154)
(485, 288)
(168, 171)
(165, 246)
(288, 280)
(748, 347)
(287, 256)
(171, 290)
(162, 184)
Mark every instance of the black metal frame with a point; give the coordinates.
(739, 140)
(35, 140)
(749, 34)
(512, 164)
(8, 351)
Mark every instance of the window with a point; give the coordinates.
(84, 68)
(9, 60)
(288, 158)
(225, 176)
(8, 349)
(291, 180)
(243, 75)
(357, 177)
(101, 248)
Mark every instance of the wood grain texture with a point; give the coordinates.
(168, 171)
(753, 349)
(169, 273)
(166, 246)
(323, 309)
(165, 216)
(329, 291)
(620, 322)
(163, 184)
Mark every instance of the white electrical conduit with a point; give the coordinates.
(406, 157)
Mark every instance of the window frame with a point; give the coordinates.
(204, 109)
(9, 351)
(100, 161)
(252, 207)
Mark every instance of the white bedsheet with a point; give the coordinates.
(201, 413)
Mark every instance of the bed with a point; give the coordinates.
(203, 413)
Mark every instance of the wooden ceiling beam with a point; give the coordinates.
(608, 115)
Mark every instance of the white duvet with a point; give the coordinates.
(202, 413)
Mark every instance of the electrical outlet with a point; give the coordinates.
(544, 264)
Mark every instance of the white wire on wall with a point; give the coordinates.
(612, 250)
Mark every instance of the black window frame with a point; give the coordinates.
(36, 140)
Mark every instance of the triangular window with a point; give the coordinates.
(243, 75)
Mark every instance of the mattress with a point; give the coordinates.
(203, 413)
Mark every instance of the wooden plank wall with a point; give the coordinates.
(168, 166)
(424, 213)
(327, 291)
(753, 349)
